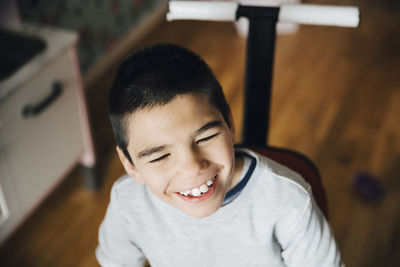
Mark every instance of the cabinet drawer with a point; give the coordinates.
(39, 148)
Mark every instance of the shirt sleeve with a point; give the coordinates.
(115, 245)
(310, 242)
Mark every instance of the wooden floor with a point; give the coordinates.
(336, 98)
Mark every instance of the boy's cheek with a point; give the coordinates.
(223, 150)
(155, 175)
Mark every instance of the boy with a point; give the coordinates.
(190, 199)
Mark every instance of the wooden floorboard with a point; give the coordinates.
(336, 98)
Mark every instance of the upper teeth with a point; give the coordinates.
(198, 190)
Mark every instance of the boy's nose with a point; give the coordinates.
(193, 163)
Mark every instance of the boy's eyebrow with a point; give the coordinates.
(148, 152)
(213, 124)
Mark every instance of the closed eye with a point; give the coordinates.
(159, 159)
(206, 138)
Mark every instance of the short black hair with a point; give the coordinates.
(155, 76)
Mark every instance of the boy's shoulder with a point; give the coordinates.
(127, 195)
(275, 183)
(277, 193)
(268, 171)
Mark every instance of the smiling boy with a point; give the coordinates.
(189, 198)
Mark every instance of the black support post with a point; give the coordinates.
(259, 72)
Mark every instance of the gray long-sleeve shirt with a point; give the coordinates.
(274, 221)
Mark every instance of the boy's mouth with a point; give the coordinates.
(200, 193)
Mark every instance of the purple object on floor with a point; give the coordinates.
(368, 187)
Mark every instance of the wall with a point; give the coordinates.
(100, 23)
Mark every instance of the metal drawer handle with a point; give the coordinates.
(32, 110)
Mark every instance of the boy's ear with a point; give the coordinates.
(128, 166)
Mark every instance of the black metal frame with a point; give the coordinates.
(259, 71)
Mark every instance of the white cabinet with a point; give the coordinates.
(44, 129)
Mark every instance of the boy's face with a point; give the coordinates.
(183, 152)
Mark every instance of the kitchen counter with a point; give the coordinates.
(57, 40)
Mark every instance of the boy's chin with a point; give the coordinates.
(203, 211)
